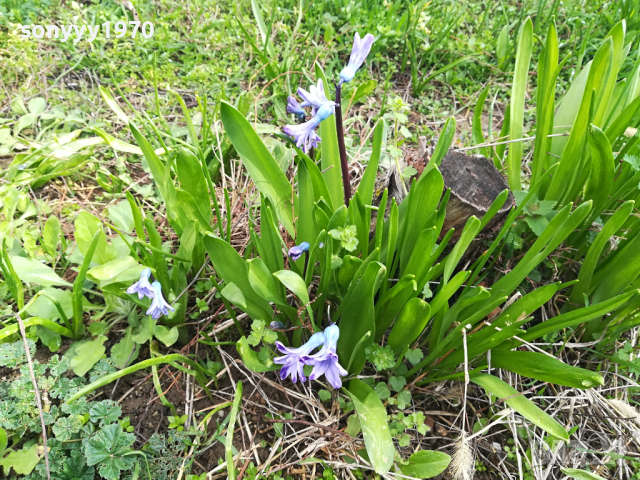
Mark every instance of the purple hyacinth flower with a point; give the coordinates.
(325, 362)
(159, 306)
(304, 133)
(359, 52)
(292, 364)
(314, 98)
(142, 287)
(296, 252)
(294, 107)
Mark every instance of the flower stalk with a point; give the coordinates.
(344, 164)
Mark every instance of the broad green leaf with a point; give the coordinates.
(45, 308)
(121, 216)
(250, 358)
(189, 206)
(547, 73)
(422, 203)
(580, 474)
(364, 89)
(121, 270)
(545, 368)
(367, 184)
(425, 464)
(3, 440)
(166, 335)
(565, 184)
(262, 168)
(233, 269)
(602, 169)
(192, 180)
(520, 404)
(410, 323)
(332, 171)
(87, 355)
(357, 316)
(125, 351)
(86, 225)
(35, 272)
(295, 283)
(306, 225)
(22, 461)
(375, 430)
(51, 235)
(471, 229)
(595, 250)
(261, 279)
(518, 91)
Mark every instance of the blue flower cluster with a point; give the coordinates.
(325, 362)
(321, 107)
(143, 288)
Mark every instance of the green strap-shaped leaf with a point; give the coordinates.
(263, 169)
(410, 323)
(471, 229)
(545, 368)
(425, 464)
(577, 317)
(375, 430)
(367, 184)
(580, 474)
(595, 250)
(518, 90)
(192, 180)
(357, 316)
(520, 404)
(233, 269)
(332, 172)
(602, 169)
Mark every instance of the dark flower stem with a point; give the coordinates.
(344, 165)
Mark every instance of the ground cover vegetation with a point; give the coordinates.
(206, 275)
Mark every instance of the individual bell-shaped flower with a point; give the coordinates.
(325, 362)
(292, 364)
(296, 252)
(142, 287)
(294, 107)
(314, 98)
(359, 52)
(159, 306)
(304, 133)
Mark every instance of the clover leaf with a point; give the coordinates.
(414, 356)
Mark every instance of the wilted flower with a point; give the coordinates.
(325, 362)
(294, 107)
(359, 52)
(292, 363)
(296, 252)
(159, 306)
(142, 287)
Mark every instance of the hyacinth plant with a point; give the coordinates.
(396, 298)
